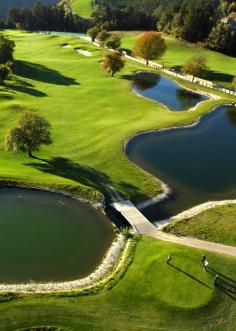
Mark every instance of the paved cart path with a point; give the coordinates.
(142, 225)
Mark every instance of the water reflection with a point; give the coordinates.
(166, 91)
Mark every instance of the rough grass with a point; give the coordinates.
(216, 224)
(92, 116)
(222, 68)
(151, 296)
(82, 7)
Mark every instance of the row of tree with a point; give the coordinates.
(204, 21)
(46, 17)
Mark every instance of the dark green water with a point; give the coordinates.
(166, 91)
(198, 163)
(46, 236)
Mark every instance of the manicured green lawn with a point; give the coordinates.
(222, 68)
(92, 116)
(83, 7)
(218, 224)
(151, 296)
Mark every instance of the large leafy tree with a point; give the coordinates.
(32, 131)
(150, 46)
(6, 49)
(113, 62)
(195, 66)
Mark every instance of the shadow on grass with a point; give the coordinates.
(212, 75)
(224, 283)
(189, 275)
(25, 89)
(219, 76)
(66, 168)
(86, 175)
(216, 272)
(42, 73)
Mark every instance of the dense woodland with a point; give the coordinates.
(209, 22)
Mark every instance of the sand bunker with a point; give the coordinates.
(83, 52)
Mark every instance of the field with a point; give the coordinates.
(82, 7)
(222, 68)
(217, 225)
(152, 296)
(92, 115)
(90, 121)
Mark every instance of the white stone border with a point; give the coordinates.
(191, 212)
(113, 254)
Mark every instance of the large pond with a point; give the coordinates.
(166, 91)
(46, 236)
(198, 163)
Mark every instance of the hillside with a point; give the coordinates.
(83, 7)
(151, 5)
(5, 5)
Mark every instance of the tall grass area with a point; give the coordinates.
(221, 68)
(217, 224)
(83, 7)
(152, 295)
(92, 115)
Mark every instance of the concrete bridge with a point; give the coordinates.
(134, 217)
(142, 225)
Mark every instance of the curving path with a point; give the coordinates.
(142, 225)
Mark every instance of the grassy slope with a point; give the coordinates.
(90, 119)
(151, 296)
(222, 68)
(82, 7)
(217, 225)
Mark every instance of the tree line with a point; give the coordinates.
(46, 17)
(203, 21)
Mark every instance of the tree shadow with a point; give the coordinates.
(25, 89)
(132, 190)
(127, 77)
(219, 76)
(191, 276)
(42, 73)
(68, 169)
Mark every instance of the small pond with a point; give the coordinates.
(166, 91)
(46, 236)
(198, 163)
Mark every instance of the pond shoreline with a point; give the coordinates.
(166, 189)
(115, 254)
(209, 95)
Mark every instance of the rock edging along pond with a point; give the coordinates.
(166, 195)
(116, 256)
(168, 92)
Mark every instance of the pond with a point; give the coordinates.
(165, 91)
(46, 236)
(198, 163)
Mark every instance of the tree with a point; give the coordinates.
(195, 66)
(113, 62)
(6, 50)
(5, 71)
(102, 36)
(113, 42)
(222, 39)
(32, 131)
(93, 32)
(150, 46)
(234, 83)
